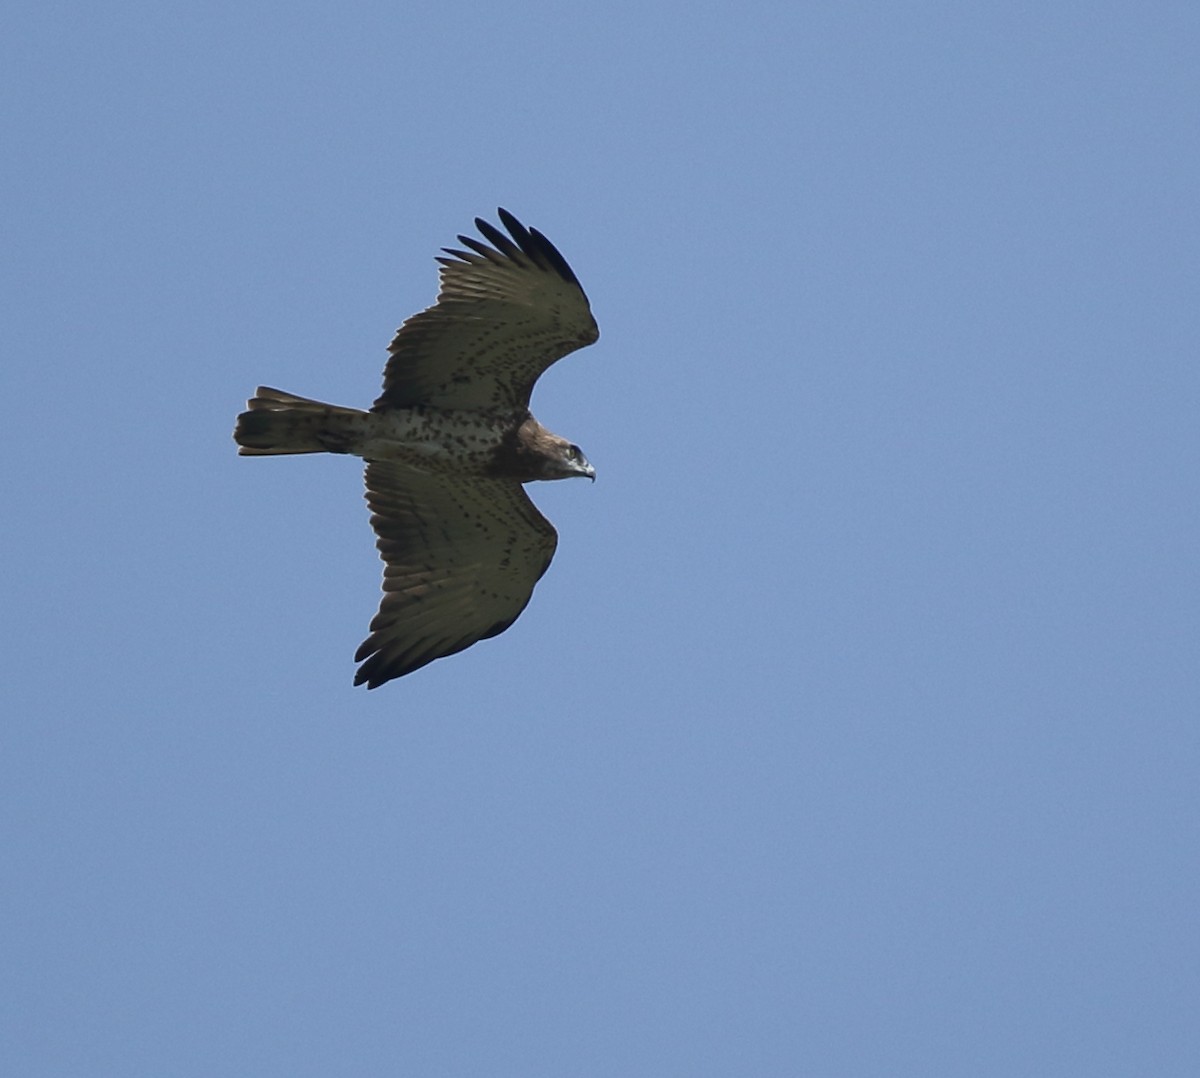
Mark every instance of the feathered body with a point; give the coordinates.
(484, 445)
(448, 445)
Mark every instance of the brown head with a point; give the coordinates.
(532, 452)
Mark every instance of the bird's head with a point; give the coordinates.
(536, 453)
(568, 461)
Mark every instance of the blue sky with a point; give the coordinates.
(853, 730)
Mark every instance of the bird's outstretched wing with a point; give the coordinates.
(461, 557)
(504, 314)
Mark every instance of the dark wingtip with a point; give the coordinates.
(533, 243)
(498, 239)
(509, 221)
(375, 670)
(368, 674)
(525, 243)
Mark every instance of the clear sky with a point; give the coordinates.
(854, 730)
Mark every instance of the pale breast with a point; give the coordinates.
(458, 442)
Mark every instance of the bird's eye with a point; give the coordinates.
(574, 452)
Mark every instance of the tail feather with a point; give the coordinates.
(276, 423)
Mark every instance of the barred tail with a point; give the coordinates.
(277, 423)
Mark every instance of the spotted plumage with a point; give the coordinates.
(449, 444)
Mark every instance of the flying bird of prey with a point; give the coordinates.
(449, 444)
